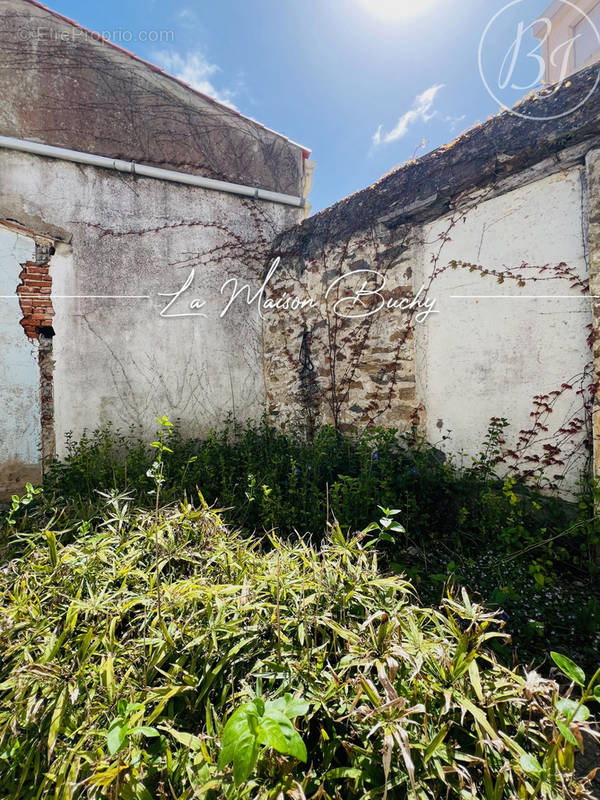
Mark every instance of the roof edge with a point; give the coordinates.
(484, 154)
(305, 150)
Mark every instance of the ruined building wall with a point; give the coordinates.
(63, 85)
(91, 331)
(506, 267)
(122, 247)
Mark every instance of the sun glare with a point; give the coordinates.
(397, 10)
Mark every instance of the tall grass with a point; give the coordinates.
(102, 697)
(517, 548)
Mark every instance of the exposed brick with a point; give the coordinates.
(34, 297)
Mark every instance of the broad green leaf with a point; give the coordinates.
(569, 668)
(567, 733)
(270, 734)
(295, 707)
(116, 736)
(260, 705)
(531, 765)
(290, 744)
(572, 711)
(236, 730)
(244, 758)
(239, 743)
(296, 747)
(145, 730)
(290, 706)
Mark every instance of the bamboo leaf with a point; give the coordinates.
(55, 721)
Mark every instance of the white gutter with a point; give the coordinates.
(132, 167)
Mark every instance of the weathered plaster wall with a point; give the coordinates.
(120, 242)
(490, 354)
(518, 346)
(20, 413)
(592, 175)
(64, 86)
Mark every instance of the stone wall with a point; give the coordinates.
(327, 368)
(497, 232)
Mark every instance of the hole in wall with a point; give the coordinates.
(35, 298)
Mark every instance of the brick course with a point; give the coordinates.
(34, 297)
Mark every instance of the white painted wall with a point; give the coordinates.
(572, 33)
(116, 359)
(480, 358)
(19, 372)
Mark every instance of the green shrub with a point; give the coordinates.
(273, 478)
(288, 671)
(533, 555)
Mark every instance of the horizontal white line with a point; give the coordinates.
(524, 297)
(74, 296)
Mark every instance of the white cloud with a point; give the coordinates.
(195, 70)
(455, 121)
(421, 111)
(187, 15)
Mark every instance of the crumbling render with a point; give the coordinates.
(35, 299)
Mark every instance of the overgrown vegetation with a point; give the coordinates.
(517, 548)
(266, 672)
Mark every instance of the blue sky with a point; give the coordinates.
(366, 84)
